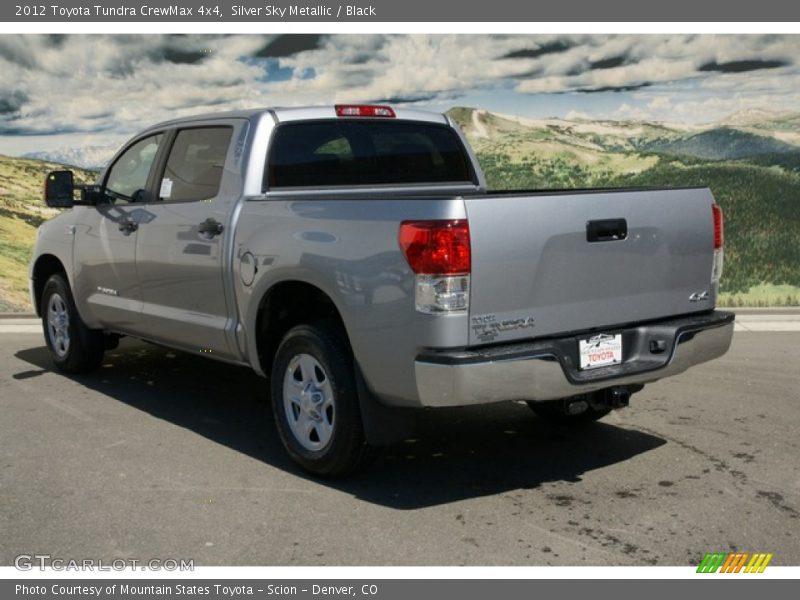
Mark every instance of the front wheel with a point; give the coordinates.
(74, 348)
(315, 402)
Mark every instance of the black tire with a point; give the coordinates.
(74, 348)
(556, 411)
(340, 447)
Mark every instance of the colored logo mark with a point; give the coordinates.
(734, 562)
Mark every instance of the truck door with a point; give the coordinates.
(180, 256)
(106, 284)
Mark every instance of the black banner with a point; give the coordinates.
(391, 589)
(263, 11)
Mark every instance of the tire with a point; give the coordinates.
(74, 348)
(556, 411)
(315, 402)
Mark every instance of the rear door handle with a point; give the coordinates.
(127, 226)
(210, 227)
(606, 230)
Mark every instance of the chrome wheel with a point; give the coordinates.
(308, 402)
(58, 325)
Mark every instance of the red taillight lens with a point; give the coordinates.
(436, 247)
(364, 110)
(719, 238)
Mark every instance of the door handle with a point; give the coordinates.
(210, 227)
(128, 227)
(606, 230)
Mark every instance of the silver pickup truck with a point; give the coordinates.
(352, 255)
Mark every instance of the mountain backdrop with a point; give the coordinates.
(88, 157)
(750, 160)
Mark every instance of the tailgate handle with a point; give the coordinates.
(606, 230)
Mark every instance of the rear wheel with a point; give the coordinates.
(74, 348)
(315, 402)
(577, 410)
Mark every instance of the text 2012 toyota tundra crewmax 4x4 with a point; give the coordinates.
(353, 256)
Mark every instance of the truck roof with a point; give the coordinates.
(294, 113)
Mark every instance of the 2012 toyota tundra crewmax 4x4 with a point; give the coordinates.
(353, 256)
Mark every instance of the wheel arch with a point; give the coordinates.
(282, 306)
(383, 424)
(46, 265)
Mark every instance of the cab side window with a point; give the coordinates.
(195, 164)
(127, 177)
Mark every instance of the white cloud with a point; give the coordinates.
(404, 66)
(628, 112)
(118, 84)
(92, 83)
(577, 115)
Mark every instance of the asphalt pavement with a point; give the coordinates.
(164, 455)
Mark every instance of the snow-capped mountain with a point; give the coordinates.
(87, 157)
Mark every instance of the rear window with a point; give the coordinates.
(345, 152)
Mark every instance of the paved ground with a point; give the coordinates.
(165, 455)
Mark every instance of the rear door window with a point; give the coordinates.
(349, 152)
(195, 164)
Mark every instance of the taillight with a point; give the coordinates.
(718, 229)
(364, 110)
(436, 247)
(439, 254)
(719, 241)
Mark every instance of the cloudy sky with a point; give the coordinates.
(63, 91)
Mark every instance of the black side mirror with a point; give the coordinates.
(59, 189)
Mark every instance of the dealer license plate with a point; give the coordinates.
(600, 350)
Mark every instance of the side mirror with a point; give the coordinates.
(92, 195)
(59, 189)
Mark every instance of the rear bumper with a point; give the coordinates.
(546, 369)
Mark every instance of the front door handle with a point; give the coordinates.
(127, 226)
(210, 227)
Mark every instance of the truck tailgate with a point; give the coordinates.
(536, 273)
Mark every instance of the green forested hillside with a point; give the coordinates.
(722, 144)
(22, 210)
